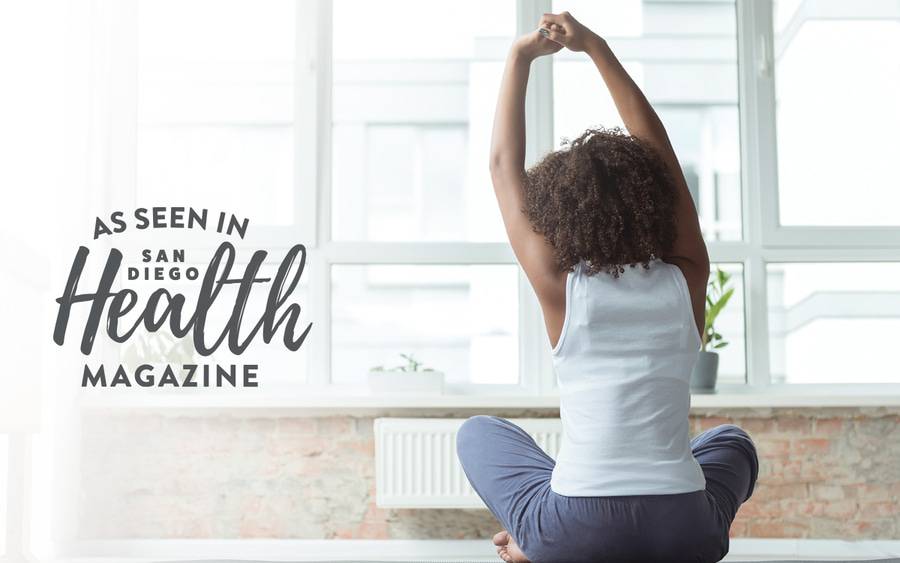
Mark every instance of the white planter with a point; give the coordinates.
(418, 382)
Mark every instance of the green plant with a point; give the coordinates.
(158, 347)
(717, 296)
(411, 365)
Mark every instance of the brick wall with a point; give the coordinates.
(824, 473)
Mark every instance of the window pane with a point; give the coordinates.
(412, 113)
(730, 324)
(215, 116)
(837, 114)
(461, 320)
(684, 57)
(834, 323)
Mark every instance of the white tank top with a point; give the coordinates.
(623, 364)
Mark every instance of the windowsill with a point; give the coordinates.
(359, 402)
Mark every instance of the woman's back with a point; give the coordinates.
(623, 363)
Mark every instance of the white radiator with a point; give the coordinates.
(416, 464)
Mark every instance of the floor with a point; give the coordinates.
(467, 551)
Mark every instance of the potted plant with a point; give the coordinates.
(706, 370)
(159, 349)
(410, 377)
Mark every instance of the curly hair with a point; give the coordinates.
(605, 198)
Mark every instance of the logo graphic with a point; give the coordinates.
(125, 313)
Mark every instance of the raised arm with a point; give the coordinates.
(689, 251)
(507, 165)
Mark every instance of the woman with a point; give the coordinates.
(608, 236)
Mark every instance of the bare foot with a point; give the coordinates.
(507, 548)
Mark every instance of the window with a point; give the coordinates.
(214, 120)
(836, 140)
(460, 320)
(215, 117)
(831, 242)
(834, 323)
(371, 147)
(683, 55)
(411, 117)
(409, 189)
(404, 183)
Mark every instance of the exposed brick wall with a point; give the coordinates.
(824, 473)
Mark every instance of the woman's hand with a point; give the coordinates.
(565, 30)
(533, 45)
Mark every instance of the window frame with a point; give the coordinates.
(763, 241)
(534, 351)
(759, 17)
(767, 240)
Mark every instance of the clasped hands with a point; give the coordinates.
(554, 32)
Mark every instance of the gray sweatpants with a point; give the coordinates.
(511, 474)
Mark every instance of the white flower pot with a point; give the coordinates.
(418, 382)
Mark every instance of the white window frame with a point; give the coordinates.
(758, 25)
(534, 349)
(764, 240)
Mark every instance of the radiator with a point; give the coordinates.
(416, 464)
